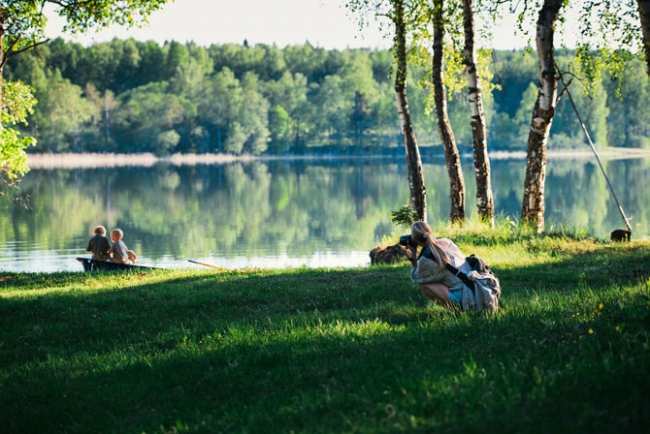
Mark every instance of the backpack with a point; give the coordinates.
(484, 287)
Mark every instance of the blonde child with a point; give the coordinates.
(119, 252)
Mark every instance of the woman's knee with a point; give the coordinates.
(436, 291)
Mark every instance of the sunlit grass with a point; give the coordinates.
(334, 350)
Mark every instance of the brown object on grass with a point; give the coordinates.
(389, 254)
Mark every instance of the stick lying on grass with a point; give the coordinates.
(205, 264)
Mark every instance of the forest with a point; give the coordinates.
(130, 96)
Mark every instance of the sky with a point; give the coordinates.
(325, 23)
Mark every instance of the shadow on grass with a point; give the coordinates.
(457, 375)
(218, 353)
(199, 304)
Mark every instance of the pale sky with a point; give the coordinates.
(324, 23)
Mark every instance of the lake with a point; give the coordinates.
(316, 213)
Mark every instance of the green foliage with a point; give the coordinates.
(358, 345)
(280, 127)
(404, 216)
(62, 110)
(146, 114)
(609, 32)
(628, 124)
(309, 99)
(61, 113)
(27, 20)
(167, 140)
(24, 22)
(18, 104)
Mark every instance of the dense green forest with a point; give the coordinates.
(132, 96)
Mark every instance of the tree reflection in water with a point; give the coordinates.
(278, 209)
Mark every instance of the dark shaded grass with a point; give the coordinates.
(329, 351)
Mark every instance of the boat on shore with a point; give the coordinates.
(91, 265)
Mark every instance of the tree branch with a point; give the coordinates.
(12, 52)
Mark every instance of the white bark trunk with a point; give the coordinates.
(484, 197)
(418, 197)
(452, 157)
(532, 212)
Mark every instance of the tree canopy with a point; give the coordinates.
(22, 27)
(122, 100)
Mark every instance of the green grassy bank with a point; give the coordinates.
(311, 351)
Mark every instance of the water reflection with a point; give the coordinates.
(276, 213)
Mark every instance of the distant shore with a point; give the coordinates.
(98, 160)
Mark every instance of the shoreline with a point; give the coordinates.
(97, 160)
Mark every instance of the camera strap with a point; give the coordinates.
(462, 276)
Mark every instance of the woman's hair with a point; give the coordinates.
(422, 234)
(118, 232)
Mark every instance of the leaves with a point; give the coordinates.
(18, 105)
(404, 216)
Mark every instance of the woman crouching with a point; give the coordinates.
(430, 272)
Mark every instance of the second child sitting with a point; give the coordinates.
(119, 252)
(99, 245)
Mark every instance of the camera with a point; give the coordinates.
(406, 240)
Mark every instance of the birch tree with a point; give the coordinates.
(395, 11)
(452, 156)
(532, 211)
(484, 197)
(607, 31)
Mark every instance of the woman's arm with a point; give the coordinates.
(413, 255)
(434, 253)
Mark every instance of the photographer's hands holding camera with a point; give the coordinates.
(411, 247)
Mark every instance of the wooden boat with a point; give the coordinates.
(92, 265)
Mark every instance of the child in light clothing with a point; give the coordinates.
(119, 252)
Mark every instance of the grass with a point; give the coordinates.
(315, 351)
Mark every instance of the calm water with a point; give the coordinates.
(272, 214)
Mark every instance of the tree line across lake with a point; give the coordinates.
(131, 96)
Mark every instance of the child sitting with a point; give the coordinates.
(99, 245)
(119, 251)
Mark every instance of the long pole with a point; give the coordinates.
(205, 264)
(593, 148)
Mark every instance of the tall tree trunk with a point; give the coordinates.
(457, 184)
(644, 13)
(416, 179)
(484, 198)
(532, 211)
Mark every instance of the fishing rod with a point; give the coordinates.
(594, 150)
(205, 264)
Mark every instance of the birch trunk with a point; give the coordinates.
(452, 157)
(644, 13)
(484, 198)
(415, 176)
(532, 211)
